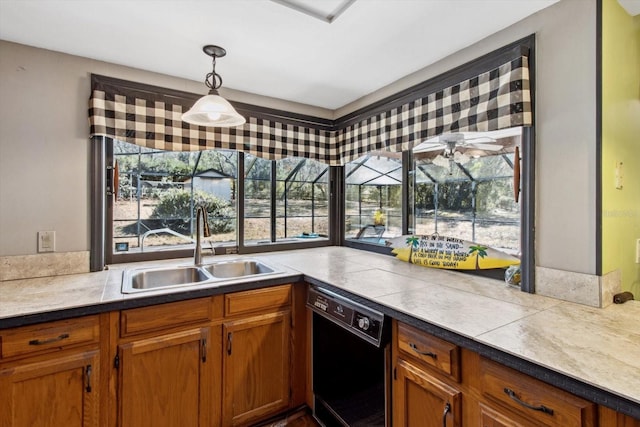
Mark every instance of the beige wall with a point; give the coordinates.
(565, 126)
(44, 135)
(44, 146)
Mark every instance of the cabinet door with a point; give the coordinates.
(165, 380)
(255, 367)
(420, 400)
(62, 390)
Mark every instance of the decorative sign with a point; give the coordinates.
(451, 253)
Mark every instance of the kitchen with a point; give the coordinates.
(566, 251)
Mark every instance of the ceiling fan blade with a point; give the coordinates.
(488, 147)
(480, 139)
(423, 148)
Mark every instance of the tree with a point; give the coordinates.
(412, 242)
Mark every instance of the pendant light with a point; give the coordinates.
(212, 109)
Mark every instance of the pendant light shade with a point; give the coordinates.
(212, 109)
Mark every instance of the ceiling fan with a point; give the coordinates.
(450, 142)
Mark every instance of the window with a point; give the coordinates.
(158, 192)
(465, 190)
(462, 189)
(152, 214)
(373, 197)
(293, 191)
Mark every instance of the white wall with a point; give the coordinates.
(44, 135)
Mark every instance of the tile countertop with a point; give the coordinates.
(597, 347)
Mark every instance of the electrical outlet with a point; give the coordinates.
(637, 251)
(46, 241)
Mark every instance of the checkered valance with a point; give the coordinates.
(493, 100)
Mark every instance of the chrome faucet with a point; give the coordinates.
(202, 227)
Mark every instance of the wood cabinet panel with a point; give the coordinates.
(60, 390)
(165, 381)
(256, 367)
(50, 336)
(443, 356)
(491, 418)
(164, 316)
(421, 400)
(274, 298)
(533, 399)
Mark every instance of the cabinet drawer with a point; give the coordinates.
(163, 316)
(50, 336)
(533, 399)
(257, 300)
(440, 355)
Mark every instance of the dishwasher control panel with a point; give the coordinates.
(363, 321)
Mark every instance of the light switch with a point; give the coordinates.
(46, 241)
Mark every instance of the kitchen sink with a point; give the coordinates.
(161, 277)
(151, 278)
(237, 268)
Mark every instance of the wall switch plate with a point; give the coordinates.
(637, 251)
(619, 176)
(46, 241)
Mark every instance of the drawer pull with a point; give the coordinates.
(515, 398)
(50, 340)
(424, 353)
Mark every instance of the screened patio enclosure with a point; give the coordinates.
(158, 192)
(467, 193)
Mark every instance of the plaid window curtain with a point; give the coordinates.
(497, 99)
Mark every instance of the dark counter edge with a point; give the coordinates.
(562, 381)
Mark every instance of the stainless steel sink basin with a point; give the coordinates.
(152, 278)
(237, 268)
(162, 277)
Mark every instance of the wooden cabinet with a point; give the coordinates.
(256, 354)
(425, 389)
(166, 365)
(525, 400)
(50, 374)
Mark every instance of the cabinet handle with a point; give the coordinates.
(229, 338)
(515, 398)
(447, 409)
(424, 353)
(49, 340)
(204, 350)
(87, 376)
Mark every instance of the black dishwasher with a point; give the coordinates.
(350, 361)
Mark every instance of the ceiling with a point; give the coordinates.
(325, 53)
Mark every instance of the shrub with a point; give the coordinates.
(176, 205)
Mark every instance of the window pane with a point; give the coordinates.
(373, 201)
(302, 199)
(158, 193)
(465, 189)
(257, 200)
